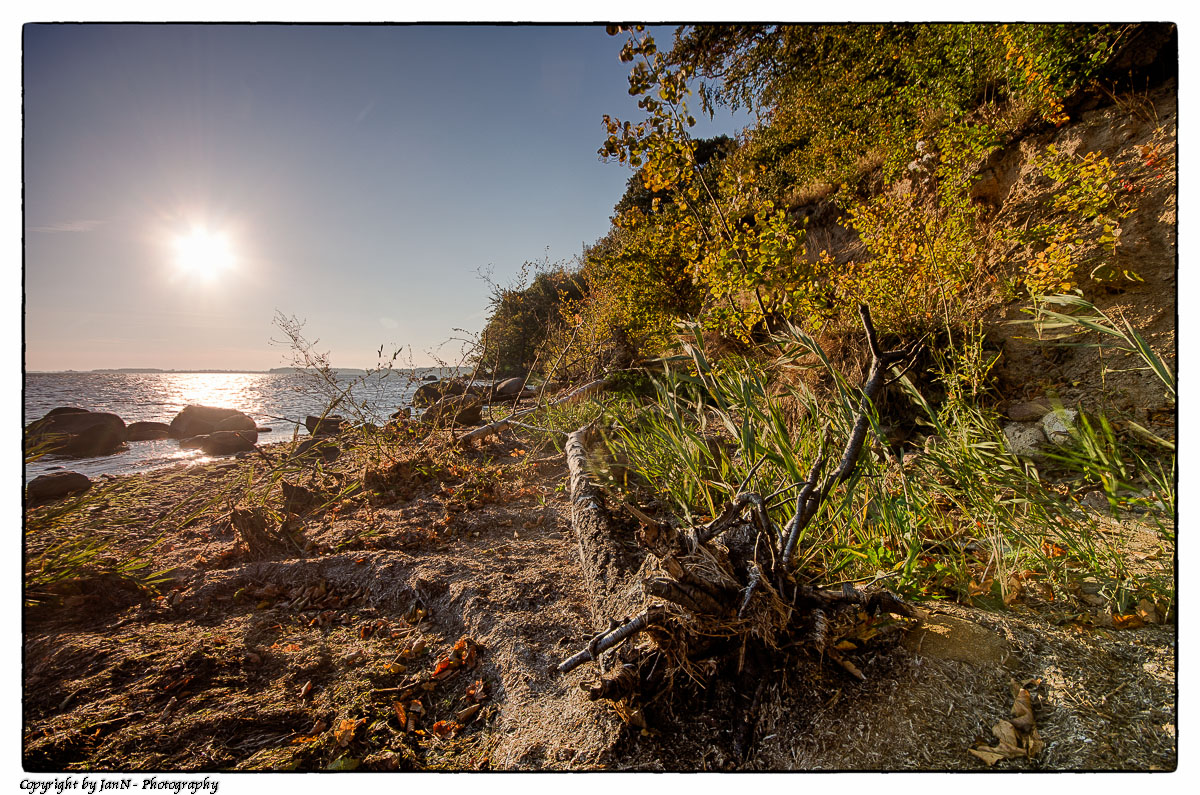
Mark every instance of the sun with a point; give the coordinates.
(204, 253)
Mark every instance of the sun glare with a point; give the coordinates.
(203, 253)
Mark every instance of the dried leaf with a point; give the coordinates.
(980, 588)
(1010, 744)
(1022, 710)
(444, 668)
(465, 715)
(990, 757)
(344, 733)
(461, 647)
(1127, 622)
(477, 692)
(1147, 611)
(401, 714)
(1034, 744)
(444, 728)
(306, 689)
(395, 668)
(1053, 550)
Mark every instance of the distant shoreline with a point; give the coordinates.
(272, 371)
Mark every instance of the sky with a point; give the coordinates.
(358, 178)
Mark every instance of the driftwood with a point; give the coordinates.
(728, 589)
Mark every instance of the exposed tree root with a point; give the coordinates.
(725, 593)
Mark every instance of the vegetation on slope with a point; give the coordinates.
(863, 182)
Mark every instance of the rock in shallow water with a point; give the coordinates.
(201, 420)
(77, 432)
(226, 442)
(146, 431)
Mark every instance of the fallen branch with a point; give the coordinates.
(609, 638)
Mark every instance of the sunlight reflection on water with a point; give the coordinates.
(279, 401)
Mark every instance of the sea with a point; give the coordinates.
(279, 401)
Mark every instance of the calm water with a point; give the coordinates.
(276, 401)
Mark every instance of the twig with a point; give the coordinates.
(610, 639)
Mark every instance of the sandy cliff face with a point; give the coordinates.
(1137, 135)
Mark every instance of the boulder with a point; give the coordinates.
(201, 420)
(1096, 501)
(57, 484)
(1024, 439)
(94, 441)
(1058, 425)
(324, 448)
(77, 432)
(192, 442)
(512, 389)
(236, 422)
(60, 421)
(1027, 411)
(329, 425)
(430, 377)
(146, 431)
(430, 393)
(509, 387)
(457, 410)
(66, 410)
(227, 442)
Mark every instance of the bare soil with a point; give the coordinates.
(296, 660)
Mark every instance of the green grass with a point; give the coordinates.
(966, 520)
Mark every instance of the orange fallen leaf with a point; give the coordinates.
(444, 668)
(444, 728)
(346, 729)
(306, 689)
(1053, 550)
(478, 691)
(401, 714)
(1132, 621)
(979, 588)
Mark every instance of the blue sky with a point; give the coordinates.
(361, 176)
